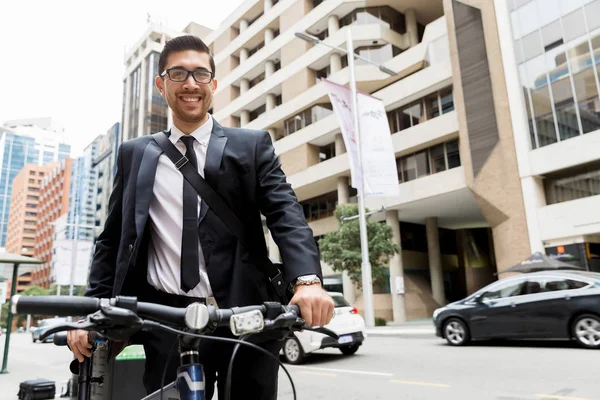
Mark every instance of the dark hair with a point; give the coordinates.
(182, 43)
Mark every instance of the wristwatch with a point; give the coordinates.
(307, 280)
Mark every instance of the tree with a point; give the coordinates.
(341, 249)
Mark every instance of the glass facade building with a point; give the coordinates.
(557, 45)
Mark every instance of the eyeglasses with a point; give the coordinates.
(179, 74)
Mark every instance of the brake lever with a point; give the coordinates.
(68, 326)
(320, 329)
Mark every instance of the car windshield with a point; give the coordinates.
(340, 301)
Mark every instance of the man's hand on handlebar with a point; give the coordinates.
(316, 305)
(79, 343)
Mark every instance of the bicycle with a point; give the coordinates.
(120, 317)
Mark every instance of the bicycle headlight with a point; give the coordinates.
(248, 322)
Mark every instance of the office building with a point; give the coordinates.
(34, 141)
(54, 201)
(24, 206)
(106, 164)
(550, 53)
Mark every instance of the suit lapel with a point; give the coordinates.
(214, 155)
(145, 184)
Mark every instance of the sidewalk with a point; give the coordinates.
(423, 327)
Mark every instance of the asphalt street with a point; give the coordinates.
(425, 368)
(411, 367)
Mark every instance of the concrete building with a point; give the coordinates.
(106, 165)
(24, 206)
(144, 109)
(269, 79)
(37, 141)
(54, 200)
(494, 123)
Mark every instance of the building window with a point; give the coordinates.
(31, 172)
(31, 180)
(257, 80)
(322, 73)
(255, 49)
(575, 183)
(257, 112)
(307, 117)
(326, 152)
(558, 72)
(30, 214)
(429, 107)
(29, 205)
(435, 159)
(377, 54)
(320, 207)
(376, 15)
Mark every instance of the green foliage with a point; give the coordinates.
(64, 290)
(380, 322)
(341, 249)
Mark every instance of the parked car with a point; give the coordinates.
(36, 331)
(539, 305)
(346, 323)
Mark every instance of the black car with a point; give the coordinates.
(539, 305)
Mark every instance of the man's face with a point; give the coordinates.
(189, 100)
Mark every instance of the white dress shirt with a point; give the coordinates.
(166, 219)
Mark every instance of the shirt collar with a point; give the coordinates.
(201, 134)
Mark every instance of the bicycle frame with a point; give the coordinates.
(190, 383)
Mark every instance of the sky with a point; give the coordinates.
(65, 58)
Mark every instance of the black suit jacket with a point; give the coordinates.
(243, 169)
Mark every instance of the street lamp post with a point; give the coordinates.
(367, 277)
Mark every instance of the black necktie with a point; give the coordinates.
(190, 264)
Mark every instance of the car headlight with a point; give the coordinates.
(437, 312)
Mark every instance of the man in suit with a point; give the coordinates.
(163, 243)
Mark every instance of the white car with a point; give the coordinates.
(346, 323)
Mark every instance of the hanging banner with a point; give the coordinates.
(379, 169)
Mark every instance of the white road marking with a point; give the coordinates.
(348, 371)
(440, 385)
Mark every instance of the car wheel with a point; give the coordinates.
(586, 330)
(349, 350)
(292, 351)
(456, 332)
(33, 340)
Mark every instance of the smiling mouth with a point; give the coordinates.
(190, 99)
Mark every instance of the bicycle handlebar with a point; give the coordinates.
(196, 316)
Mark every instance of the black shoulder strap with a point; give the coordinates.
(205, 191)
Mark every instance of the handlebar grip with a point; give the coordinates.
(60, 338)
(161, 313)
(62, 306)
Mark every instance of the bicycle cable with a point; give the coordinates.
(153, 324)
(164, 375)
(230, 367)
